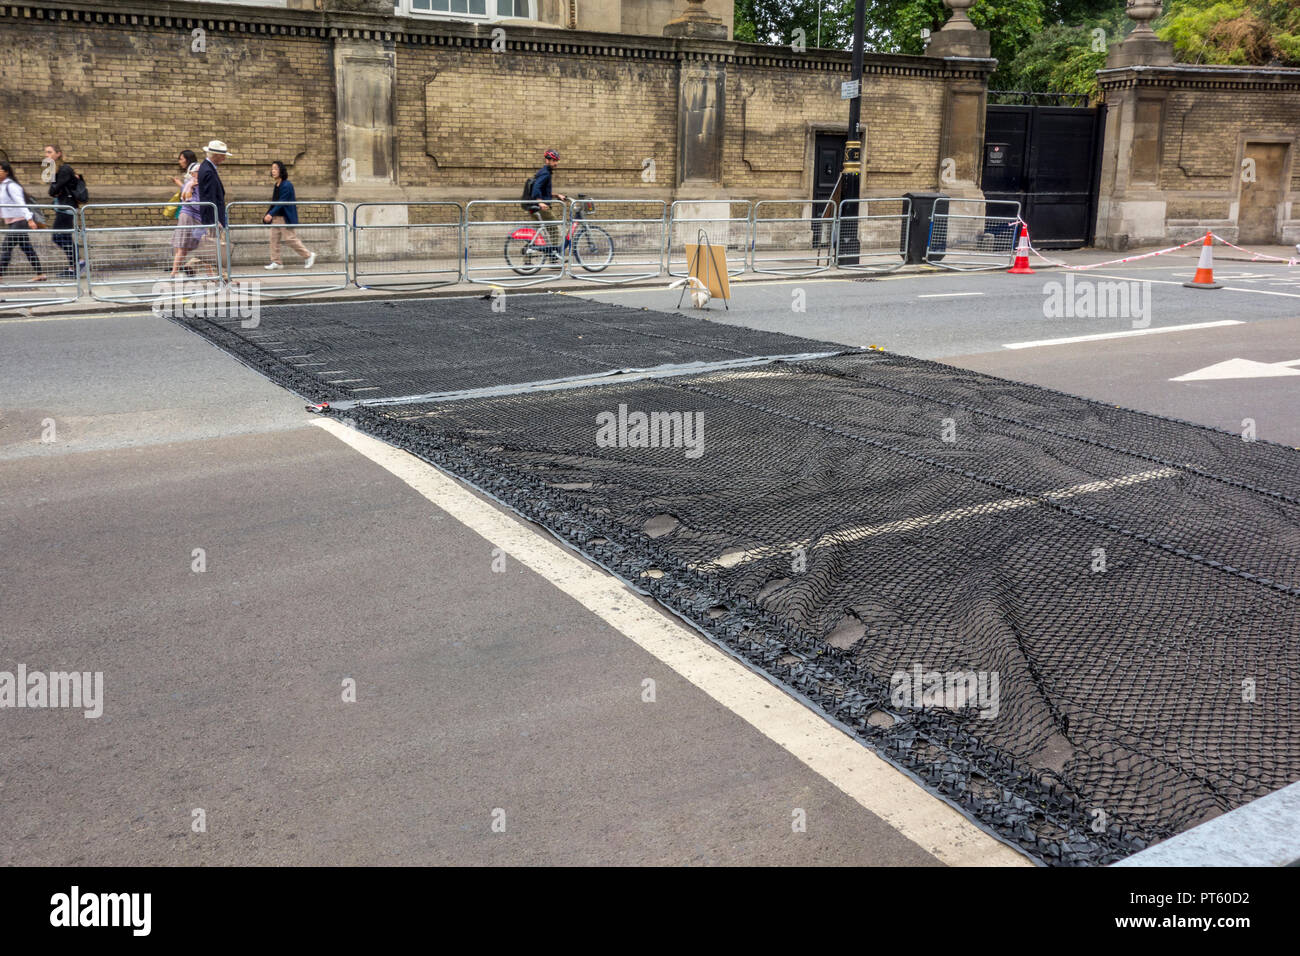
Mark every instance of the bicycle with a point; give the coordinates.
(527, 250)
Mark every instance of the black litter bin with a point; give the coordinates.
(918, 225)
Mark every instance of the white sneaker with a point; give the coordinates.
(273, 265)
(311, 261)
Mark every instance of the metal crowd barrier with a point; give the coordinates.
(617, 240)
(407, 246)
(132, 250)
(251, 241)
(726, 223)
(971, 234)
(789, 237)
(508, 246)
(872, 234)
(45, 251)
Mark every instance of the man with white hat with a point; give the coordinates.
(211, 189)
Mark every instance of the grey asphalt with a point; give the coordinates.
(475, 690)
(941, 314)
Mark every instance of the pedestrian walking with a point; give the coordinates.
(211, 189)
(189, 227)
(212, 192)
(63, 191)
(18, 218)
(282, 215)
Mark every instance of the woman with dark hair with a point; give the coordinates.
(189, 230)
(283, 214)
(186, 159)
(18, 219)
(63, 190)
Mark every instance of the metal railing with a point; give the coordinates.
(508, 246)
(133, 250)
(971, 234)
(726, 223)
(407, 246)
(39, 266)
(872, 234)
(313, 253)
(617, 240)
(790, 237)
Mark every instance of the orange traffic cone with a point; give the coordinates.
(1021, 265)
(1204, 278)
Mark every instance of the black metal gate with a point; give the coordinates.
(1049, 159)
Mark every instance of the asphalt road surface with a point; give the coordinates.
(502, 712)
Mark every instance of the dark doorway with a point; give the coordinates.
(1048, 159)
(828, 160)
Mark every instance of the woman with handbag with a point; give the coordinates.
(189, 230)
(18, 219)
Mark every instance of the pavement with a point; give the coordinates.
(500, 710)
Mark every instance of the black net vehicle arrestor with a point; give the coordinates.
(1132, 581)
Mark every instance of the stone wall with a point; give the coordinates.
(1194, 148)
(372, 107)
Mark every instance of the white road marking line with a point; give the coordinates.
(881, 789)
(946, 295)
(1230, 288)
(733, 559)
(1240, 368)
(1121, 335)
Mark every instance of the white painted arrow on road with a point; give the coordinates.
(1241, 368)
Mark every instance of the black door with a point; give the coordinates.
(828, 160)
(1047, 158)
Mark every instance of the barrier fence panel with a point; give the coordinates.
(506, 245)
(133, 249)
(313, 254)
(971, 234)
(872, 234)
(617, 240)
(39, 266)
(725, 223)
(791, 236)
(412, 245)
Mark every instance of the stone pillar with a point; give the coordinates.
(696, 22)
(1141, 47)
(701, 100)
(365, 75)
(958, 37)
(1131, 207)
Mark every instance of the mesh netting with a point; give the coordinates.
(1133, 582)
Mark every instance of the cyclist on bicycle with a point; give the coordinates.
(542, 193)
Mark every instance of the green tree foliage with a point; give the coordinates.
(1242, 32)
(1041, 45)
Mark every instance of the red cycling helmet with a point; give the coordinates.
(552, 154)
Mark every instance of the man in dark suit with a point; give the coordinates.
(211, 189)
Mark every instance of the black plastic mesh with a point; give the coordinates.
(415, 347)
(827, 533)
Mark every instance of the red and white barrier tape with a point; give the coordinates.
(1255, 256)
(1147, 255)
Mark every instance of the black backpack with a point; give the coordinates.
(530, 206)
(80, 194)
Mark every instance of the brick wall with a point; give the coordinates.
(1176, 139)
(123, 87)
